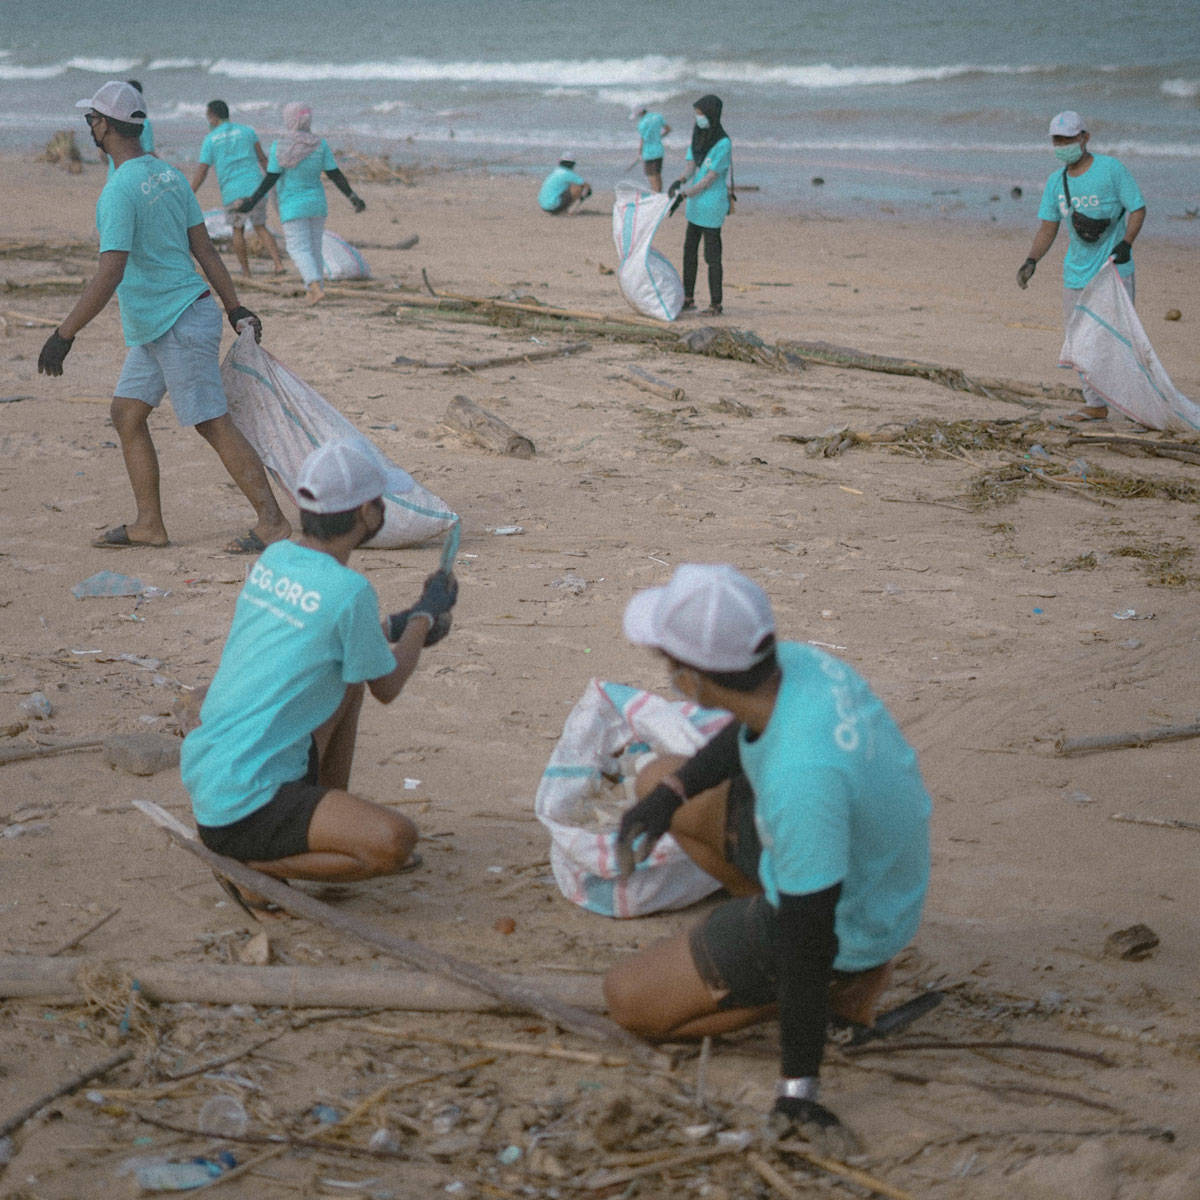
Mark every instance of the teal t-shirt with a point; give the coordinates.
(1100, 192)
(709, 207)
(554, 187)
(301, 192)
(650, 129)
(145, 140)
(229, 149)
(146, 209)
(304, 628)
(838, 798)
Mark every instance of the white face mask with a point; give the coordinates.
(701, 122)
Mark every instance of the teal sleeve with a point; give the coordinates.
(1048, 210)
(115, 219)
(366, 653)
(273, 167)
(1128, 191)
(328, 163)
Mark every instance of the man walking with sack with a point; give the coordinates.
(1104, 210)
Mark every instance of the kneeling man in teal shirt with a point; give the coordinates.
(268, 767)
(808, 806)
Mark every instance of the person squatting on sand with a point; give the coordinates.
(151, 228)
(652, 128)
(562, 190)
(710, 157)
(1104, 209)
(268, 766)
(234, 152)
(296, 162)
(809, 808)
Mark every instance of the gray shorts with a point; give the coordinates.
(256, 218)
(184, 361)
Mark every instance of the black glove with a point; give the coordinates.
(438, 596)
(815, 1124)
(675, 186)
(1121, 251)
(244, 206)
(1025, 272)
(648, 820)
(398, 622)
(357, 202)
(57, 348)
(241, 313)
(679, 198)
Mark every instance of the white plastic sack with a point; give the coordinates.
(285, 420)
(611, 724)
(342, 260)
(648, 281)
(1106, 344)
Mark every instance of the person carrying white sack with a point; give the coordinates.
(1105, 212)
(296, 162)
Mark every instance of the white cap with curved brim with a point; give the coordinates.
(566, 157)
(1066, 124)
(709, 616)
(341, 475)
(118, 100)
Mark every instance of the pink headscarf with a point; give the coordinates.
(299, 142)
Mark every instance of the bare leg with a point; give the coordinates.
(239, 249)
(655, 178)
(658, 994)
(246, 470)
(129, 418)
(336, 738)
(267, 241)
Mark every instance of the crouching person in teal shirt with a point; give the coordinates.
(562, 190)
(808, 806)
(268, 767)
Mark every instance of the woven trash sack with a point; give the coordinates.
(648, 280)
(1106, 343)
(342, 260)
(285, 420)
(610, 732)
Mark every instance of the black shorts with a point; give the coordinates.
(652, 166)
(279, 829)
(564, 202)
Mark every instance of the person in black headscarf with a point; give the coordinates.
(705, 186)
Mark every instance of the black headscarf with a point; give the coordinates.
(703, 140)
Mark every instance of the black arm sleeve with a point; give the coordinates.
(713, 763)
(340, 182)
(268, 182)
(806, 948)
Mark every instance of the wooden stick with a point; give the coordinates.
(833, 1167)
(518, 994)
(485, 429)
(1065, 747)
(79, 937)
(9, 754)
(1163, 822)
(55, 981)
(562, 313)
(531, 1050)
(28, 318)
(887, 1047)
(47, 283)
(76, 1081)
(8, 731)
(1038, 473)
(772, 1177)
(503, 360)
(653, 384)
(597, 1181)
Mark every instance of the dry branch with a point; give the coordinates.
(654, 385)
(76, 1081)
(502, 360)
(528, 1049)
(485, 429)
(10, 754)
(1162, 822)
(1066, 747)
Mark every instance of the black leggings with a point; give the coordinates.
(712, 256)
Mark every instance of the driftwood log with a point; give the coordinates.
(516, 994)
(654, 385)
(467, 365)
(485, 429)
(1118, 741)
(56, 980)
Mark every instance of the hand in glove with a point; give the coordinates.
(647, 820)
(675, 186)
(814, 1123)
(357, 202)
(1122, 251)
(57, 347)
(398, 622)
(1025, 272)
(240, 314)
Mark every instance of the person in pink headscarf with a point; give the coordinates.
(296, 161)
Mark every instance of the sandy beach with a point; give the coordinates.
(994, 613)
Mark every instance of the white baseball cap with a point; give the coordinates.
(567, 156)
(636, 111)
(118, 100)
(709, 616)
(1067, 124)
(341, 475)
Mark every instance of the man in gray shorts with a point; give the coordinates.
(151, 228)
(808, 806)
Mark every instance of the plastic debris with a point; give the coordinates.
(223, 1116)
(1132, 614)
(508, 530)
(108, 583)
(509, 1155)
(183, 1176)
(325, 1113)
(36, 705)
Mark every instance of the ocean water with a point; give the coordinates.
(918, 108)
